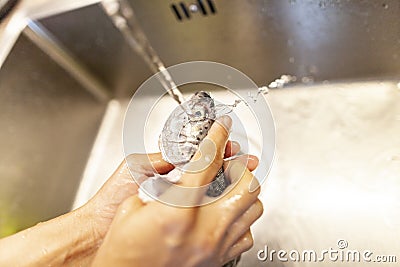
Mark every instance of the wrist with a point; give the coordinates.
(66, 240)
(83, 238)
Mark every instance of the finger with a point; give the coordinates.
(237, 169)
(149, 163)
(242, 224)
(231, 149)
(250, 161)
(120, 181)
(238, 199)
(243, 244)
(206, 162)
(202, 168)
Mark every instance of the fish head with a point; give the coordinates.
(200, 107)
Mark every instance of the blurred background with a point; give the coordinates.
(67, 74)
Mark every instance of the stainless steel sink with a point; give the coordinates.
(66, 81)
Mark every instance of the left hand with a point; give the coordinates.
(73, 238)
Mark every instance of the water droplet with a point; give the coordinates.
(224, 109)
(263, 90)
(193, 8)
(44, 251)
(120, 22)
(23, 236)
(307, 79)
(385, 6)
(282, 81)
(123, 211)
(291, 59)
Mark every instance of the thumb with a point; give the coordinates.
(148, 163)
(202, 169)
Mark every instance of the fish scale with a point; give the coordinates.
(183, 131)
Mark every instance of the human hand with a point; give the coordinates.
(120, 186)
(156, 234)
(73, 238)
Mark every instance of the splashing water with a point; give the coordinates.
(225, 109)
(276, 84)
(282, 81)
(262, 90)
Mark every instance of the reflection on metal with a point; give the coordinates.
(106, 153)
(26, 10)
(264, 39)
(9, 33)
(48, 122)
(43, 39)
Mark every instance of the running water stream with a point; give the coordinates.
(123, 17)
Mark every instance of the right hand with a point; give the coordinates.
(156, 234)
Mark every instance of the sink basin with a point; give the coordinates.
(335, 175)
(67, 79)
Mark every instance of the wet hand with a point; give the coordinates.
(120, 186)
(157, 234)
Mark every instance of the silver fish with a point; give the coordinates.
(183, 131)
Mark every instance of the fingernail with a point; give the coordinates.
(235, 146)
(253, 158)
(254, 185)
(226, 121)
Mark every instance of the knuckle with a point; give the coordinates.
(249, 242)
(260, 206)
(255, 184)
(246, 242)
